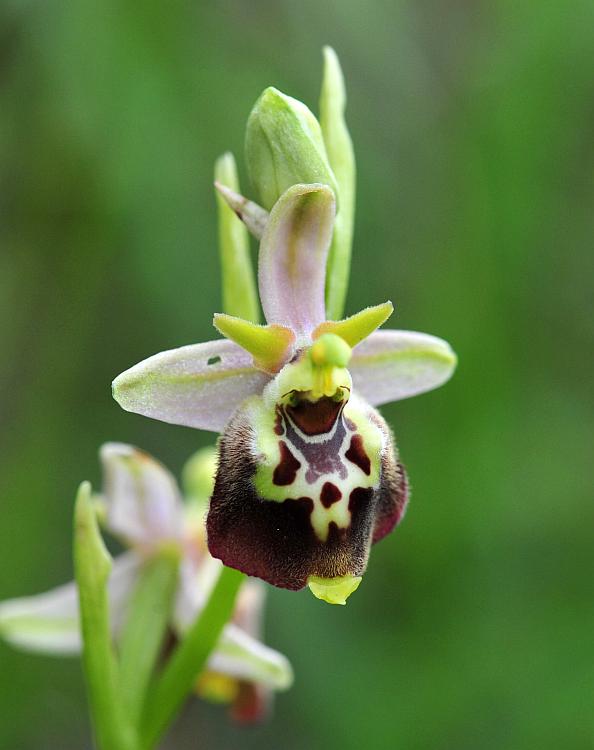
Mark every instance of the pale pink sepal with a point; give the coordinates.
(49, 623)
(392, 365)
(199, 385)
(293, 255)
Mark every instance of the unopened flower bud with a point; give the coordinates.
(284, 147)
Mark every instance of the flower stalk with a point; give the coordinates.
(145, 628)
(190, 657)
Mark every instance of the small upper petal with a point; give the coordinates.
(142, 499)
(271, 346)
(392, 365)
(293, 254)
(199, 385)
(358, 327)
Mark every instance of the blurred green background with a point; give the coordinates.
(474, 129)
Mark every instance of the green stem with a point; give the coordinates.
(92, 564)
(144, 629)
(190, 657)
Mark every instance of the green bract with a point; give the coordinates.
(239, 290)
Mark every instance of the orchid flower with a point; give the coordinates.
(309, 475)
(141, 506)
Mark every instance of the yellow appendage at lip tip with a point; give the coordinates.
(216, 687)
(333, 590)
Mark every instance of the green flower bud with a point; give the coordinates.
(284, 147)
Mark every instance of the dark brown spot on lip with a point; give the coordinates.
(330, 494)
(286, 471)
(359, 498)
(278, 422)
(356, 454)
(315, 418)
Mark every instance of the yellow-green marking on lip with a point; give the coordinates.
(333, 590)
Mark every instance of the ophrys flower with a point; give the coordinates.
(309, 475)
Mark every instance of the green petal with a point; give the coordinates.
(359, 326)
(270, 346)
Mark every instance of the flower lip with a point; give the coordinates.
(301, 495)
